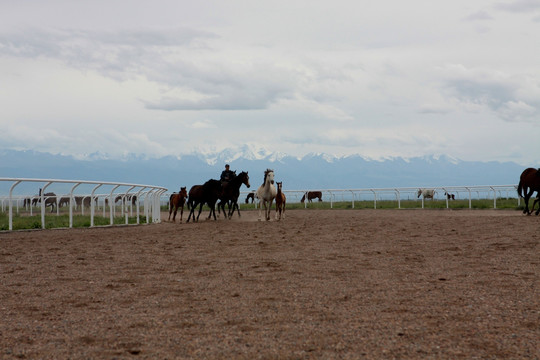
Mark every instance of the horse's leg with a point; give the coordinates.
(526, 198)
(191, 211)
(175, 211)
(181, 212)
(170, 210)
(213, 211)
(269, 209)
(534, 204)
(200, 209)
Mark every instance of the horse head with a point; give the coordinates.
(183, 191)
(269, 176)
(419, 192)
(244, 177)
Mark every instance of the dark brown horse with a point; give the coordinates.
(251, 196)
(64, 201)
(231, 192)
(177, 200)
(86, 201)
(208, 193)
(125, 198)
(529, 182)
(50, 199)
(281, 199)
(312, 195)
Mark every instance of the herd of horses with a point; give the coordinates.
(227, 193)
(53, 201)
(213, 190)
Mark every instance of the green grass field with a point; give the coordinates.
(24, 221)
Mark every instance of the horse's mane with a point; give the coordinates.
(266, 174)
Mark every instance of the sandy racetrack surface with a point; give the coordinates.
(443, 284)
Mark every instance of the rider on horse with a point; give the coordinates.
(226, 175)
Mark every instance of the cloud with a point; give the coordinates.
(510, 97)
(479, 16)
(519, 6)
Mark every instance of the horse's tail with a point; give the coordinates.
(520, 188)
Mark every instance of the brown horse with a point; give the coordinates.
(529, 182)
(177, 200)
(312, 195)
(281, 199)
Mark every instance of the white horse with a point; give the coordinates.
(266, 193)
(426, 193)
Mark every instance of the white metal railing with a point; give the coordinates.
(405, 193)
(150, 193)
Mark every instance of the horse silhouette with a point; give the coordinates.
(208, 193)
(529, 182)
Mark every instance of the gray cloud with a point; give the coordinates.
(479, 16)
(519, 6)
(505, 95)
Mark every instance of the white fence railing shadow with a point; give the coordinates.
(129, 195)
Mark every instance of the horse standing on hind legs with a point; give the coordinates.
(177, 200)
(266, 193)
(281, 199)
(529, 182)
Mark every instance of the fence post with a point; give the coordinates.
(11, 205)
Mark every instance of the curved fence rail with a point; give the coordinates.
(72, 193)
(469, 193)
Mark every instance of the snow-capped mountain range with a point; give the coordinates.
(313, 171)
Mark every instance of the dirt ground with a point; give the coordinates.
(320, 284)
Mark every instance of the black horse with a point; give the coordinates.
(208, 193)
(529, 182)
(50, 199)
(231, 192)
(251, 196)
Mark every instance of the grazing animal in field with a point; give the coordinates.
(64, 201)
(49, 198)
(529, 182)
(426, 193)
(450, 196)
(266, 193)
(87, 201)
(125, 198)
(208, 193)
(311, 195)
(28, 202)
(251, 196)
(231, 191)
(281, 199)
(177, 200)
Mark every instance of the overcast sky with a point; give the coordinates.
(381, 79)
